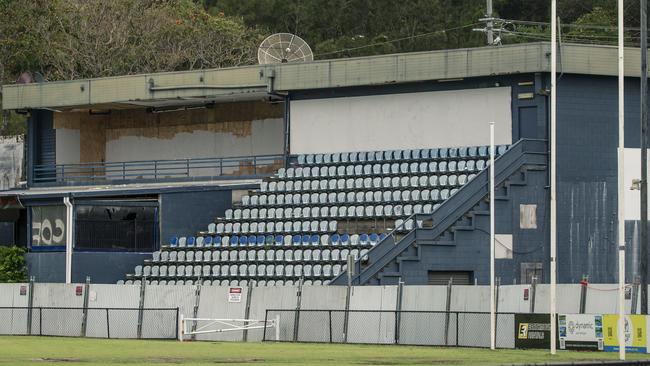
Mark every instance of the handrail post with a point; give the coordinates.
(187, 168)
(155, 169)
(123, 170)
(254, 165)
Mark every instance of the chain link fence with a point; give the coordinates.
(434, 328)
(154, 323)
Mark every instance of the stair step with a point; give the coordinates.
(463, 228)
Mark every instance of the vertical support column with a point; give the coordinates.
(346, 317)
(643, 262)
(195, 308)
(553, 163)
(621, 183)
(68, 239)
(490, 23)
(492, 294)
(287, 131)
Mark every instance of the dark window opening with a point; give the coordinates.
(124, 228)
(457, 277)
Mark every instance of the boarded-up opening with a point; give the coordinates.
(443, 277)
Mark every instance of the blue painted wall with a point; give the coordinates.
(102, 267)
(186, 213)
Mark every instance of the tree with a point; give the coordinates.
(12, 264)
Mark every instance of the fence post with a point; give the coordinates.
(635, 296)
(108, 325)
(398, 312)
(178, 323)
(195, 309)
(84, 314)
(296, 319)
(143, 284)
(266, 324)
(533, 286)
(330, 324)
(457, 314)
(30, 304)
(447, 314)
(346, 315)
(583, 294)
(496, 310)
(247, 311)
(40, 321)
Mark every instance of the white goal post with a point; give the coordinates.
(211, 325)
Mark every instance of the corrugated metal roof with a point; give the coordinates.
(254, 81)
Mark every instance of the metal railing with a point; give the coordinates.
(157, 170)
(146, 323)
(406, 327)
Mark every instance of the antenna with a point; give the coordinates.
(283, 48)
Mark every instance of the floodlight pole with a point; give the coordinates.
(552, 203)
(621, 188)
(492, 294)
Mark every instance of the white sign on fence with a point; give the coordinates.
(234, 294)
(581, 331)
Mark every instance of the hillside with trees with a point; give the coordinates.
(71, 39)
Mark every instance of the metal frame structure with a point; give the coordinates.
(229, 325)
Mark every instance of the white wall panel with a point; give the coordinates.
(401, 121)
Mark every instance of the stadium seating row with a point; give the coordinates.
(226, 242)
(375, 170)
(217, 282)
(251, 270)
(398, 155)
(255, 255)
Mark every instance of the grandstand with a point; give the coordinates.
(273, 174)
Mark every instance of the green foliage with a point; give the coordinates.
(12, 264)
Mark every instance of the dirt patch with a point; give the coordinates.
(47, 359)
(166, 360)
(408, 362)
(239, 360)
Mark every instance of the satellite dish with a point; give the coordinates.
(282, 48)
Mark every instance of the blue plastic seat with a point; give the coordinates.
(335, 239)
(374, 239)
(305, 239)
(234, 241)
(216, 241)
(296, 240)
(191, 241)
(268, 240)
(363, 239)
(252, 240)
(314, 239)
(173, 241)
(382, 236)
(279, 240)
(345, 239)
(243, 241)
(207, 241)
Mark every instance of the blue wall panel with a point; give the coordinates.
(186, 213)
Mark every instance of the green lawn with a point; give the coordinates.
(77, 351)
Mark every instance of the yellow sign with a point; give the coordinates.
(635, 333)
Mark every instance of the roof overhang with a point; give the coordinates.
(261, 81)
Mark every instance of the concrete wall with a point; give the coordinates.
(401, 121)
(229, 129)
(472, 303)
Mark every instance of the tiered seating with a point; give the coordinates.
(307, 219)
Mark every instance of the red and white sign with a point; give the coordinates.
(234, 294)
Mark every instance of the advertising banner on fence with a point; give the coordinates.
(532, 331)
(636, 338)
(580, 331)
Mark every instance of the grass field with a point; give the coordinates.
(78, 351)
